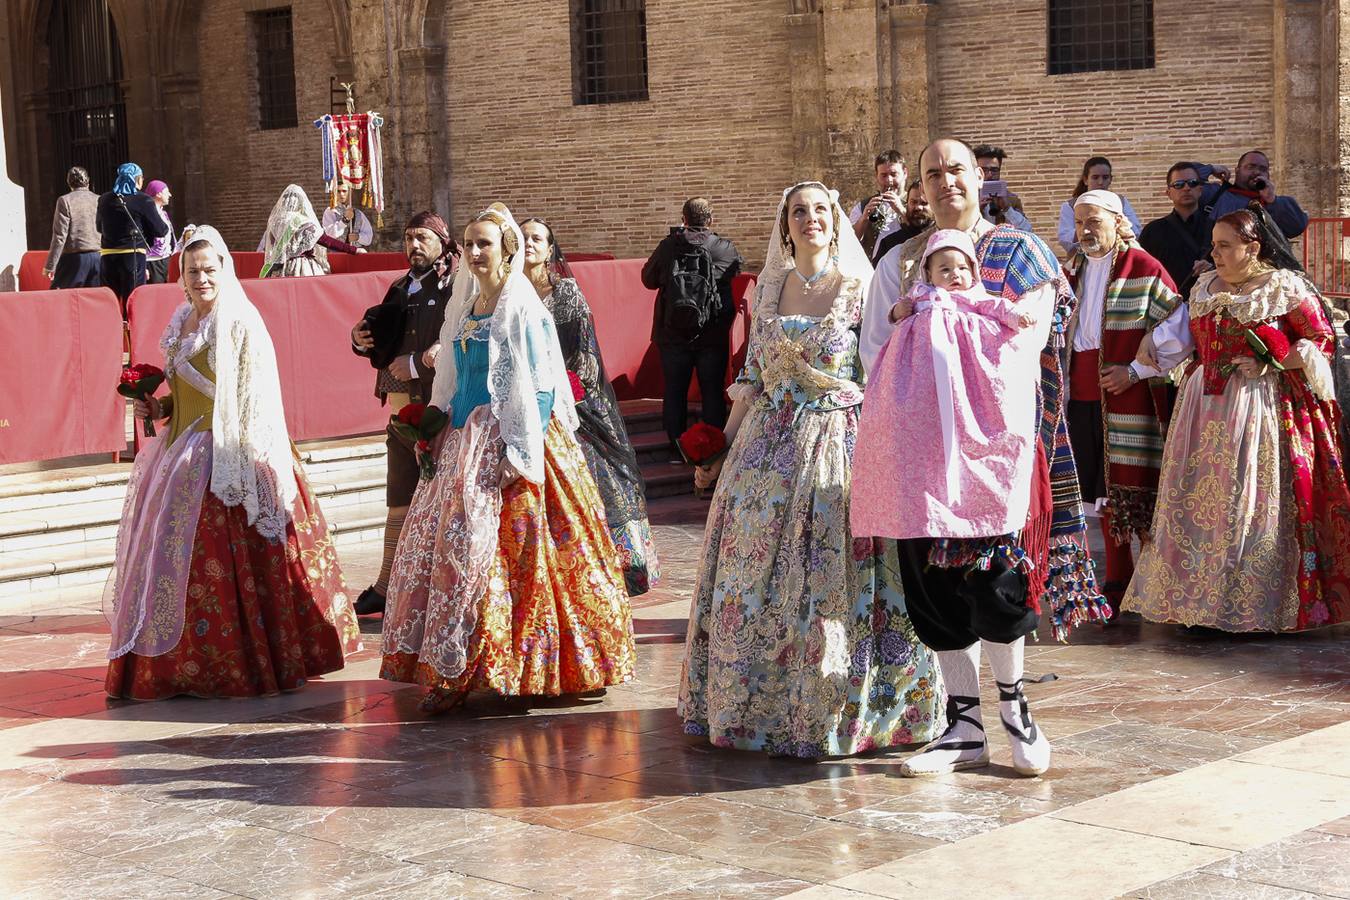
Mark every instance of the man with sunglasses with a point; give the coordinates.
(1180, 239)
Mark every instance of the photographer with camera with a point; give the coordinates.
(1250, 181)
(880, 214)
(997, 203)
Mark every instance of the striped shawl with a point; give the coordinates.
(1139, 295)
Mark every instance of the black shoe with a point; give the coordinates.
(370, 602)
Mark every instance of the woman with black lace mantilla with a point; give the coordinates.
(601, 433)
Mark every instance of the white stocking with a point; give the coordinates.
(962, 745)
(1030, 746)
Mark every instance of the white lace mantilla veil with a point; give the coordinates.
(852, 260)
(251, 464)
(291, 215)
(512, 382)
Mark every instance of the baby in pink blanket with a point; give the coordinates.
(945, 411)
(949, 265)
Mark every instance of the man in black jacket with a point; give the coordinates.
(407, 345)
(687, 348)
(1180, 240)
(127, 221)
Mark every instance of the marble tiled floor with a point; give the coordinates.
(1187, 765)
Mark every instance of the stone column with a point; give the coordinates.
(13, 230)
(912, 70)
(422, 128)
(183, 152)
(376, 71)
(1306, 151)
(852, 86)
(807, 85)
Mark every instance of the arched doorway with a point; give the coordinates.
(85, 107)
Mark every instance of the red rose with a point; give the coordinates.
(1275, 340)
(702, 444)
(578, 389)
(140, 372)
(139, 382)
(412, 414)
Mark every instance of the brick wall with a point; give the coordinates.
(1208, 98)
(247, 168)
(718, 121)
(613, 177)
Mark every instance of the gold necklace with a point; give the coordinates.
(1237, 288)
(472, 325)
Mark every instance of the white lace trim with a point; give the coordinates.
(252, 464)
(1281, 294)
(513, 383)
(1316, 369)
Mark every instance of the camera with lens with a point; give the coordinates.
(881, 214)
(1259, 183)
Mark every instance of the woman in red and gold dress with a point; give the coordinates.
(1252, 527)
(226, 582)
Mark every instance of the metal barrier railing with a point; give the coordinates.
(1326, 255)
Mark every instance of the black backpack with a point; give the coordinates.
(691, 297)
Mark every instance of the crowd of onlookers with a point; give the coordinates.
(1200, 193)
(123, 238)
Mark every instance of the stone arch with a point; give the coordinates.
(342, 29)
(425, 23)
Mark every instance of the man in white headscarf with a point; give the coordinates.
(1116, 416)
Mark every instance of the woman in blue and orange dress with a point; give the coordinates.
(226, 583)
(506, 577)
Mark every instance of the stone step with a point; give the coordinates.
(58, 528)
(50, 566)
(651, 446)
(668, 479)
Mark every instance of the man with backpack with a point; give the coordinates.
(691, 270)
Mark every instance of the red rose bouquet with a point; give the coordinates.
(139, 382)
(420, 424)
(578, 389)
(702, 445)
(1269, 344)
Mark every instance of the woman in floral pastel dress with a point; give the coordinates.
(799, 643)
(1252, 527)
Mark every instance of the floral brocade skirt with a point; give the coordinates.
(1238, 544)
(549, 615)
(799, 642)
(259, 618)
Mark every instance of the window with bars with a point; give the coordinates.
(609, 51)
(1099, 35)
(274, 42)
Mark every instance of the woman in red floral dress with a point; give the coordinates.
(1252, 527)
(226, 582)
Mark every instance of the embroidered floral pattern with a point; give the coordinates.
(799, 643)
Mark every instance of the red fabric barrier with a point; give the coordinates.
(60, 379)
(623, 324)
(247, 265)
(347, 263)
(589, 257)
(30, 271)
(326, 389)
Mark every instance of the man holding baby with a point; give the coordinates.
(975, 581)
